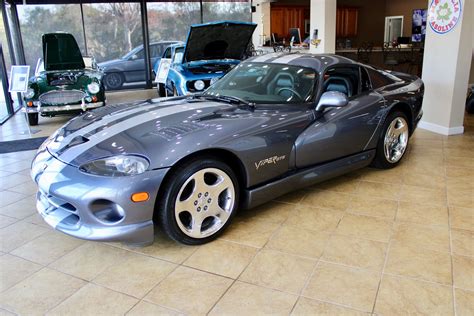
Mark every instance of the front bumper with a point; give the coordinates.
(49, 109)
(94, 207)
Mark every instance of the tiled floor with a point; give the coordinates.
(389, 242)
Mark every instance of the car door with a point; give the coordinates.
(343, 131)
(156, 50)
(135, 67)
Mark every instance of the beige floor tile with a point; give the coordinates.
(20, 208)
(419, 263)
(12, 180)
(423, 195)
(252, 232)
(464, 302)
(343, 184)
(422, 237)
(28, 186)
(299, 241)
(458, 152)
(14, 270)
(401, 296)
(461, 197)
(17, 166)
(272, 212)
(355, 252)
(462, 242)
(356, 288)
(461, 218)
(8, 198)
(189, 291)
(89, 260)
(388, 176)
(320, 220)
(147, 309)
(39, 292)
(222, 257)
(371, 206)
(422, 214)
(95, 300)
(136, 275)
(18, 234)
(380, 190)
(6, 221)
(365, 227)
(292, 198)
(327, 200)
(164, 248)
(425, 180)
(248, 299)
(37, 219)
(466, 174)
(48, 247)
(463, 272)
(460, 162)
(459, 184)
(279, 271)
(306, 306)
(423, 165)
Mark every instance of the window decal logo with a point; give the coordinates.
(443, 15)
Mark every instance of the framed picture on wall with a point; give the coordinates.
(418, 29)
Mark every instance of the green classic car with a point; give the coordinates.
(64, 80)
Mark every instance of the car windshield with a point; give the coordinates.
(178, 55)
(132, 52)
(262, 83)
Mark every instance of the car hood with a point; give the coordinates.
(218, 40)
(162, 131)
(109, 63)
(61, 52)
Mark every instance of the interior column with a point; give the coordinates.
(446, 67)
(323, 19)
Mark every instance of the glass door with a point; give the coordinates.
(6, 109)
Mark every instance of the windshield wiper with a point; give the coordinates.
(226, 98)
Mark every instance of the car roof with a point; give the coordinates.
(318, 62)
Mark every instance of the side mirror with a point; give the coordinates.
(332, 99)
(134, 57)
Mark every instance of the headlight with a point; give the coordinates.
(116, 166)
(199, 85)
(29, 93)
(93, 87)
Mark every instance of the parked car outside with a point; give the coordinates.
(210, 51)
(274, 124)
(64, 80)
(131, 67)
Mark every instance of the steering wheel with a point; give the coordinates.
(292, 91)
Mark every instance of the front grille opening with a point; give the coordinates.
(69, 207)
(107, 211)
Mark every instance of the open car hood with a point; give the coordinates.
(218, 40)
(61, 52)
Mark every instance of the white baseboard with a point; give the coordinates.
(441, 129)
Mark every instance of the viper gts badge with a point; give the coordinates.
(271, 160)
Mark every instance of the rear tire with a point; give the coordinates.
(198, 202)
(33, 119)
(113, 81)
(393, 141)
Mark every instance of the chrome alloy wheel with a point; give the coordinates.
(204, 203)
(396, 140)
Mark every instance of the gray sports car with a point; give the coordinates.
(273, 124)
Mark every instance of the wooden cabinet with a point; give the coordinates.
(346, 21)
(284, 17)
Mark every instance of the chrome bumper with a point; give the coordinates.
(63, 108)
(93, 207)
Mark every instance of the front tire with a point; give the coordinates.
(113, 81)
(393, 141)
(161, 90)
(33, 119)
(199, 201)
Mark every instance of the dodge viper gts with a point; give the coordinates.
(273, 124)
(64, 80)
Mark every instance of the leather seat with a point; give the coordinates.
(282, 80)
(339, 84)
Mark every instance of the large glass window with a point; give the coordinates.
(230, 10)
(114, 38)
(170, 21)
(35, 20)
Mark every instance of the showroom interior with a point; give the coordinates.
(361, 236)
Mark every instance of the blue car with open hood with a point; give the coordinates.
(211, 50)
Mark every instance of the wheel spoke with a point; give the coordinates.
(196, 225)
